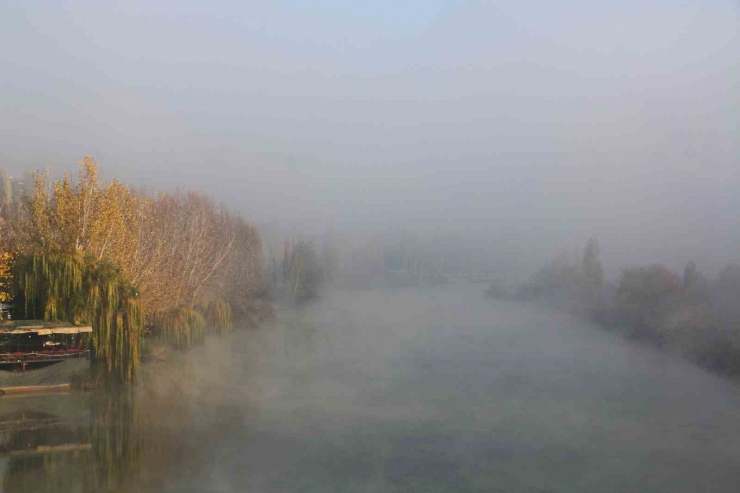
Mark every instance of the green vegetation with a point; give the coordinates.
(187, 326)
(183, 326)
(219, 317)
(76, 289)
(174, 266)
(688, 314)
(301, 273)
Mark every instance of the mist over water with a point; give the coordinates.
(421, 389)
(271, 153)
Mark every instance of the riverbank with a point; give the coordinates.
(405, 390)
(688, 314)
(57, 376)
(711, 347)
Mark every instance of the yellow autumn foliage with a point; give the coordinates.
(6, 277)
(179, 263)
(99, 219)
(177, 249)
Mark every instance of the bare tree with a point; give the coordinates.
(302, 272)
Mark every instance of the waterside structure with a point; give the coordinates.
(33, 353)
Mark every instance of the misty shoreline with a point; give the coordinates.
(689, 315)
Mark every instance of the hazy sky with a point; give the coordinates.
(527, 125)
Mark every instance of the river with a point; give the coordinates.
(408, 390)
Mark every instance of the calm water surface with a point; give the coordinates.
(428, 390)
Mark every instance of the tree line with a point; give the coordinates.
(129, 262)
(688, 313)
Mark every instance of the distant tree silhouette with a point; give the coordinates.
(593, 272)
(302, 272)
(726, 295)
(646, 296)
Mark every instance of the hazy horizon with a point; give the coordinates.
(521, 128)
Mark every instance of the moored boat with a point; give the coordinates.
(29, 347)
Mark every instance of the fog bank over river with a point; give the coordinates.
(432, 390)
(443, 390)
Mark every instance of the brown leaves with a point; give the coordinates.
(184, 249)
(177, 249)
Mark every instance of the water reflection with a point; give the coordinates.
(83, 445)
(112, 441)
(423, 391)
(36, 446)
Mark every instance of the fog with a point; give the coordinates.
(421, 389)
(439, 389)
(520, 128)
(411, 153)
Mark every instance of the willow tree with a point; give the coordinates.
(218, 317)
(179, 251)
(183, 326)
(76, 289)
(186, 326)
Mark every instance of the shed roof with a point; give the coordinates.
(40, 327)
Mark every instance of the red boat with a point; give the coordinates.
(31, 344)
